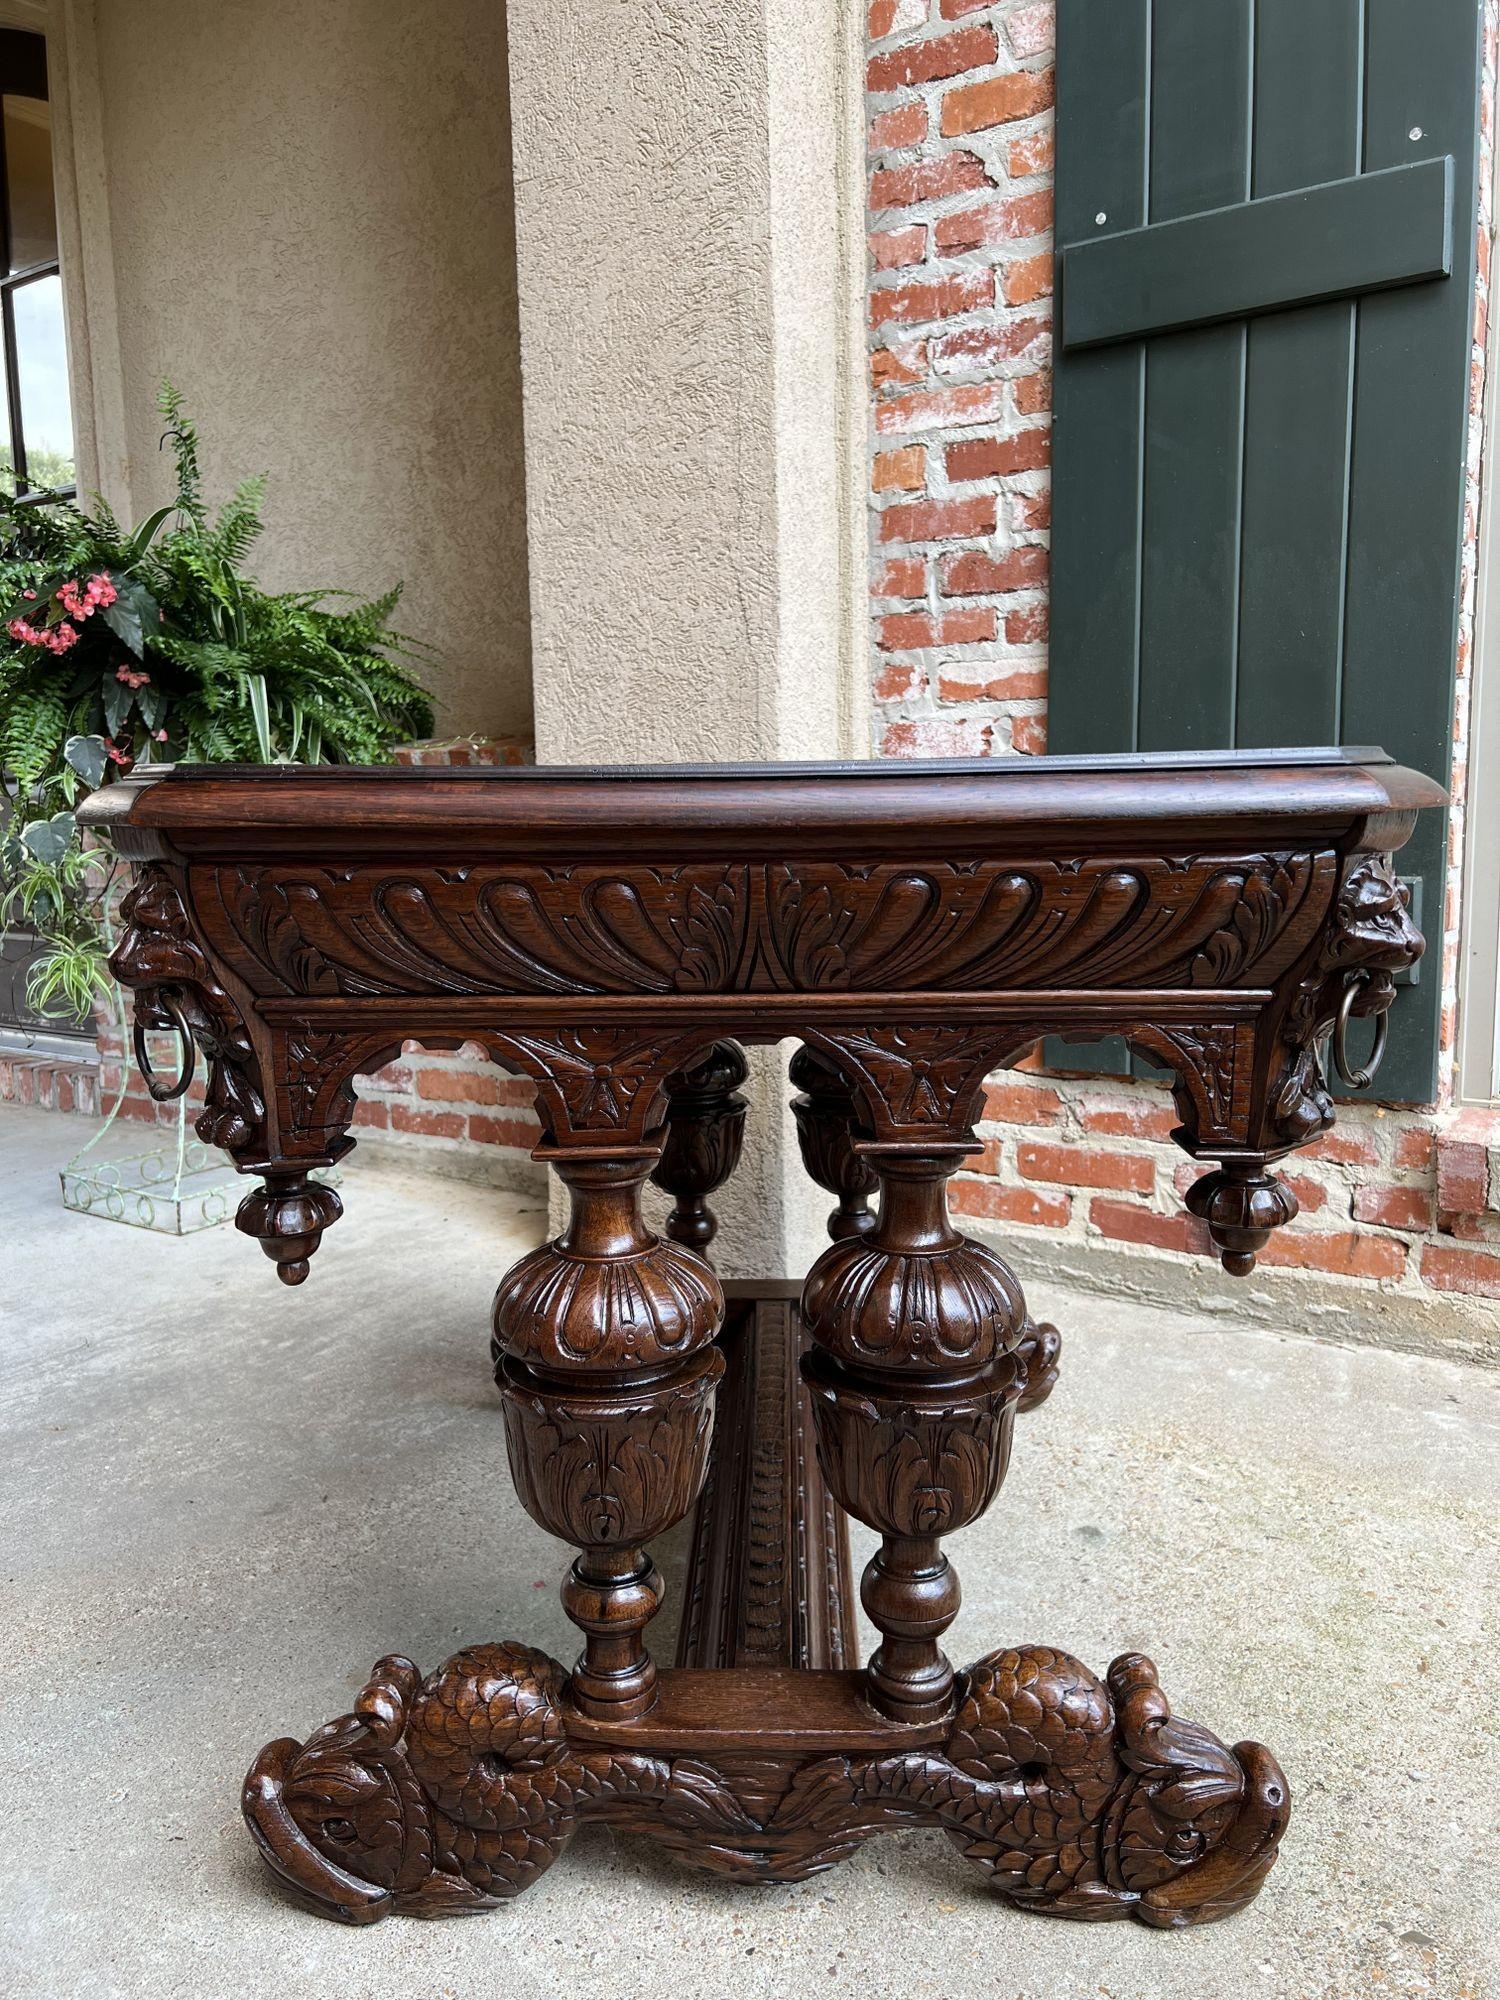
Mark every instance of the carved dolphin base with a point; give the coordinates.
(1078, 1797)
(761, 1755)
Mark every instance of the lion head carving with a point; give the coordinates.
(1374, 933)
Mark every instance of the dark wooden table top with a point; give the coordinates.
(880, 809)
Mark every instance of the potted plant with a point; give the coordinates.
(124, 646)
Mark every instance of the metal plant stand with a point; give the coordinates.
(177, 1186)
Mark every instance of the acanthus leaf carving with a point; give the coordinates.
(812, 926)
(908, 1465)
(1210, 1064)
(610, 1469)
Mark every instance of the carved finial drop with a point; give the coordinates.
(825, 1114)
(288, 1216)
(1242, 1204)
(705, 1131)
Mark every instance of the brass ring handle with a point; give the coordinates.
(1358, 1079)
(187, 1062)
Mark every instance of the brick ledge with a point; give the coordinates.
(51, 1082)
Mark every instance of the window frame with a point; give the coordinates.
(1478, 1077)
(23, 73)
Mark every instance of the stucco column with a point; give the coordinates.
(690, 242)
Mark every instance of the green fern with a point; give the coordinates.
(32, 733)
(181, 655)
(182, 434)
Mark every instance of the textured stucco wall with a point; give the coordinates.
(685, 332)
(305, 212)
(689, 236)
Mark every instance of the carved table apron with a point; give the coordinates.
(614, 936)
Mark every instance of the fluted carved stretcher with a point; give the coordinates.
(615, 936)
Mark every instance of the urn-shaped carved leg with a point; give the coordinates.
(913, 1461)
(705, 1132)
(915, 1377)
(603, 1348)
(611, 1468)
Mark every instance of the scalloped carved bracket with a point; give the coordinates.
(599, 1086)
(916, 1082)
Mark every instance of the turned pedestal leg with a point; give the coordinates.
(915, 1378)
(603, 1349)
(1080, 1796)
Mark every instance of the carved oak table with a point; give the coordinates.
(614, 935)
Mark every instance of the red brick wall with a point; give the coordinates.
(960, 99)
(442, 1109)
(961, 153)
(439, 1104)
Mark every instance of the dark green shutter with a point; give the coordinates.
(1262, 391)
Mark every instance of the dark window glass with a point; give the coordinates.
(27, 123)
(36, 435)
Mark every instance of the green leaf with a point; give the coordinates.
(67, 977)
(89, 757)
(117, 700)
(260, 708)
(49, 839)
(145, 535)
(123, 618)
(134, 614)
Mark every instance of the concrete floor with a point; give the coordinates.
(224, 1500)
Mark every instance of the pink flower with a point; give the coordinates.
(27, 635)
(115, 754)
(29, 593)
(161, 735)
(61, 637)
(126, 673)
(80, 601)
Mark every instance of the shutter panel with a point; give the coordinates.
(1261, 400)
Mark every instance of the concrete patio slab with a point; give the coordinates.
(223, 1501)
